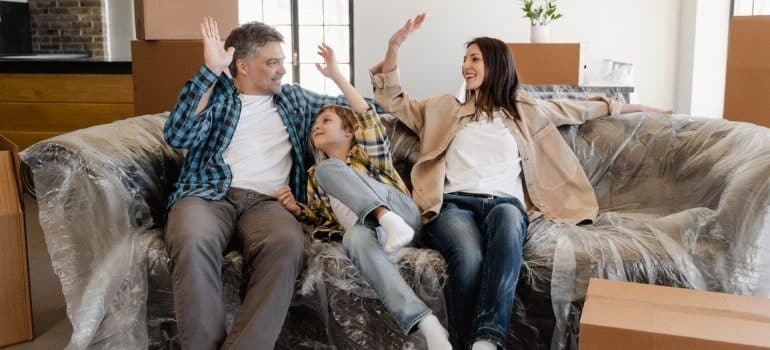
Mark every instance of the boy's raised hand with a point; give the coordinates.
(286, 198)
(215, 57)
(330, 69)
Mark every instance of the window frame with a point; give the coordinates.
(296, 75)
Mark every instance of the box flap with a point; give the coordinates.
(8, 145)
(672, 318)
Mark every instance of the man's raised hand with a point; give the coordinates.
(215, 57)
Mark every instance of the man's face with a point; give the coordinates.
(261, 72)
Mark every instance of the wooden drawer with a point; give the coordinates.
(34, 107)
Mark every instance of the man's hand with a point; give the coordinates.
(330, 69)
(214, 55)
(286, 198)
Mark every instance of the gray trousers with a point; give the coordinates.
(197, 233)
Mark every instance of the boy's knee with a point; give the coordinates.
(328, 170)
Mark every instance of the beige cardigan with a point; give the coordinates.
(556, 187)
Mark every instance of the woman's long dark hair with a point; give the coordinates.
(499, 88)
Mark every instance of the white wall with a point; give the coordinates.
(644, 33)
(119, 25)
(702, 64)
(686, 56)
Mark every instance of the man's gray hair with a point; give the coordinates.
(248, 38)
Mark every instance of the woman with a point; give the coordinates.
(486, 167)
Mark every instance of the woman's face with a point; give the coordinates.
(473, 67)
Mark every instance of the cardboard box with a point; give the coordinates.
(160, 69)
(542, 64)
(16, 314)
(180, 19)
(747, 80)
(638, 316)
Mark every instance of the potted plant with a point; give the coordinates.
(540, 17)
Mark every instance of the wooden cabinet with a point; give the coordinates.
(34, 107)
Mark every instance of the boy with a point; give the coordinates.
(358, 191)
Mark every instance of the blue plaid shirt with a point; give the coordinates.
(206, 135)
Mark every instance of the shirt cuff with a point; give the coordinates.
(383, 80)
(615, 105)
(205, 78)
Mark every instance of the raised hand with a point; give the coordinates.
(402, 33)
(330, 69)
(391, 55)
(215, 57)
(286, 198)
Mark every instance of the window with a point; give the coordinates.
(751, 7)
(305, 24)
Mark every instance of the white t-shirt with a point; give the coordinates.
(484, 158)
(259, 155)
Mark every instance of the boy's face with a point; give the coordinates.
(328, 132)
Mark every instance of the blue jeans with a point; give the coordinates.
(362, 195)
(482, 241)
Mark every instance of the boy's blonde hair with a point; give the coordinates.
(344, 112)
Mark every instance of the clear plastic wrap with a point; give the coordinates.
(101, 192)
(684, 202)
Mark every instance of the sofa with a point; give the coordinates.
(683, 202)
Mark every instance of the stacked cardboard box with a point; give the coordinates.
(545, 64)
(630, 316)
(16, 312)
(168, 51)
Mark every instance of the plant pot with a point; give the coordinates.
(539, 34)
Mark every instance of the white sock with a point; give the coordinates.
(484, 345)
(437, 337)
(397, 232)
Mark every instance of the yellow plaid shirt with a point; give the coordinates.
(370, 156)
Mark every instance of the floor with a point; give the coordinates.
(51, 328)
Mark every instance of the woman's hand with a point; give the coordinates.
(286, 198)
(330, 69)
(388, 64)
(402, 33)
(631, 108)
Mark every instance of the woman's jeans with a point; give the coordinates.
(362, 195)
(481, 239)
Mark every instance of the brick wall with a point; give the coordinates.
(67, 26)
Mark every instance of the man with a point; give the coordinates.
(245, 139)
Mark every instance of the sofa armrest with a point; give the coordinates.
(99, 190)
(669, 166)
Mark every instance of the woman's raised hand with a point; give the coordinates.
(402, 33)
